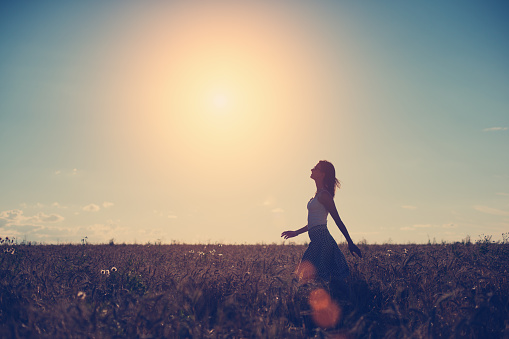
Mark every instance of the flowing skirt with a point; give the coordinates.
(323, 258)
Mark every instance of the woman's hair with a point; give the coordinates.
(329, 179)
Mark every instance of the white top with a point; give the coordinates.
(317, 213)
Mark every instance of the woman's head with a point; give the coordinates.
(326, 170)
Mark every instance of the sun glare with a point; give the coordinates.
(224, 88)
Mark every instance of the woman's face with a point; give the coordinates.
(316, 172)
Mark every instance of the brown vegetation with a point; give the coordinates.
(250, 291)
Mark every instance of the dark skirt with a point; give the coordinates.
(323, 258)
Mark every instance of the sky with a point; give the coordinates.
(199, 121)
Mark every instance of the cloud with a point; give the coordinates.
(57, 205)
(17, 218)
(171, 216)
(36, 205)
(277, 210)
(91, 208)
(490, 210)
(15, 223)
(51, 232)
(269, 201)
(101, 232)
(42, 227)
(72, 172)
(503, 194)
(491, 129)
(11, 215)
(107, 204)
(409, 207)
(414, 227)
(450, 225)
(51, 218)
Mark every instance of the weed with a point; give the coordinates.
(215, 291)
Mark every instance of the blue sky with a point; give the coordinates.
(200, 122)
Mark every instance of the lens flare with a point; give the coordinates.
(319, 299)
(306, 271)
(326, 312)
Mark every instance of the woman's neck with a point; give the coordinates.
(319, 185)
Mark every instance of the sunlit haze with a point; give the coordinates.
(200, 122)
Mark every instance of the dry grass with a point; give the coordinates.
(244, 291)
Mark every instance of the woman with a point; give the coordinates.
(323, 258)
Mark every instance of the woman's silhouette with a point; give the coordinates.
(323, 258)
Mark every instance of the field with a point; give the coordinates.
(250, 291)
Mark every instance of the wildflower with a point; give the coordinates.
(201, 253)
(107, 272)
(103, 271)
(220, 254)
(113, 269)
(81, 295)
(191, 251)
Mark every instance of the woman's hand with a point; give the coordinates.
(354, 249)
(289, 234)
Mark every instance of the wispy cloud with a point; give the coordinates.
(72, 172)
(15, 223)
(48, 218)
(269, 201)
(503, 194)
(277, 210)
(36, 205)
(172, 216)
(409, 207)
(450, 225)
(417, 226)
(57, 205)
(91, 208)
(17, 217)
(492, 129)
(491, 210)
(107, 204)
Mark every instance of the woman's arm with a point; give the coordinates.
(326, 200)
(291, 234)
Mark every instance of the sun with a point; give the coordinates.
(220, 100)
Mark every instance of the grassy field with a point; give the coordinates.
(250, 291)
